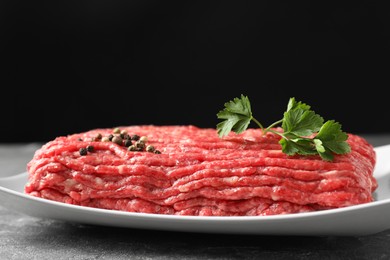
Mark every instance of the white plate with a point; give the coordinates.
(362, 219)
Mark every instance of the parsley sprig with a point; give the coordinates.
(304, 131)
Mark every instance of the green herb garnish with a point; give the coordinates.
(304, 131)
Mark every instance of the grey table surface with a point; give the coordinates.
(26, 237)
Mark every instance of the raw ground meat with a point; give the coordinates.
(198, 173)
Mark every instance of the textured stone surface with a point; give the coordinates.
(25, 237)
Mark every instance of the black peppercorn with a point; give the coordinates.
(127, 142)
(135, 137)
(90, 148)
(83, 151)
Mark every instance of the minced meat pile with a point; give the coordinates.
(187, 170)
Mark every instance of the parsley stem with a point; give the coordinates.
(274, 124)
(258, 123)
(277, 133)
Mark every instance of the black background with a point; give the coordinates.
(69, 66)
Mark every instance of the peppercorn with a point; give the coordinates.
(135, 137)
(117, 139)
(140, 144)
(83, 151)
(98, 137)
(132, 148)
(105, 139)
(150, 148)
(157, 152)
(127, 142)
(90, 148)
(116, 130)
(143, 139)
(110, 136)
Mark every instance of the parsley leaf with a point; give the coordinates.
(304, 131)
(333, 139)
(301, 122)
(237, 115)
